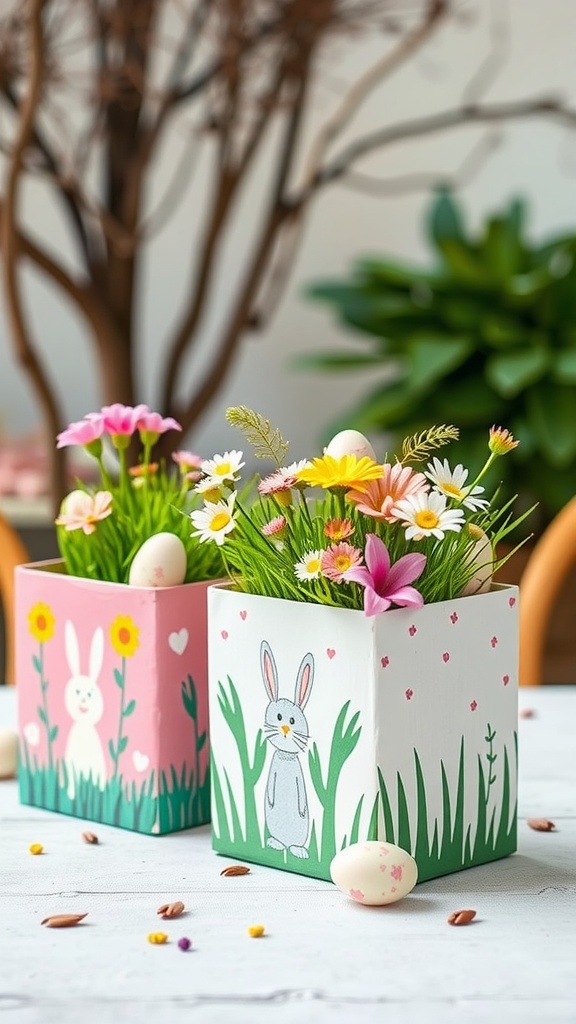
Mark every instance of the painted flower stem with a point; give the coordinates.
(490, 757)
(45, 719)
(121, 680)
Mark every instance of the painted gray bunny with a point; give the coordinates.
(285, 804)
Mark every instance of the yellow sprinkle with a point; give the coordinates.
(157, 938)
(36, 848)
(256, 930)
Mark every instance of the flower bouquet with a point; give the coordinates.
(360, 591)
(111, 652)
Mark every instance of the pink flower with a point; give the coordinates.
(274, 527)
(187, 460)
(339, 560)
(379, 496)
(84, 432)
(385, 584)
(121, 420)
(151, 425)
(276, 483)
(81, 511)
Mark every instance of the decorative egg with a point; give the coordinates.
(160, 562)
(350, 442)
(8, 753)
(373, 872)
(481, 556)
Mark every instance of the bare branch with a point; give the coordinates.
(493, 64)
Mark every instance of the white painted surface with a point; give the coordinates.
(324, 959)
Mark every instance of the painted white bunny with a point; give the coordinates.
(285, 804)
(85, 705)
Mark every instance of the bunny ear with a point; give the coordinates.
(96, 654)
(72, 649)
(304, 681)
(269, 671)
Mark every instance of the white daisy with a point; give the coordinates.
(451, 483)
(215, 520)
(210, 489)
(308, 568)
(427, 515)
(223, 467)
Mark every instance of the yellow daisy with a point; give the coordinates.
(41, 622)
(124, 636)
(347, 471)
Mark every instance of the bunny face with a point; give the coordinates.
(285, 726)
(83, 699)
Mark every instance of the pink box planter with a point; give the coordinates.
(112, 696)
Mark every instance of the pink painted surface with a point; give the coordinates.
(171, 634)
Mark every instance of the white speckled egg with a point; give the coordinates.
(482, 557)
(8, 753)
(374, 872)
(350, 442)
(160, 562)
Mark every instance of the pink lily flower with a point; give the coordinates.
(82, 511)
(385, 584)
(121, 420)
(84, 432)
(151, 425)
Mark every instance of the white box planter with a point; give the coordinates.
(400, 727)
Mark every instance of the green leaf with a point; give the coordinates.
(201, 741)
(564, 366)
(553, 414)
(510, 373)
(53, 733)
(42, 715)
(129, 709)
(119, 678)
(469, 402)
(267, 442)
(122, 745)
(431, 358)
(36, 663)
(444, 220)
(112, 750)
(337, 362)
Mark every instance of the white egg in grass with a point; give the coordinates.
(159, 562)
(374, 872)
(481, 556)
(350, 442)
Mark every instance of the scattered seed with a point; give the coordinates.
(157, 938)
(184, 944)
(541, 824)
(461, 917)
(169, 910)
(235, 869)
(90, 837)
(63, 920)
(36, 848)
(255, 931)
(526, 713)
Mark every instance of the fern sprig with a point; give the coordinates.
(416, 448)
(266, 440)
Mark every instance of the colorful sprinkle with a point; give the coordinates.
(157, 938)
(255, 931)
(184, 944)
(36, 848)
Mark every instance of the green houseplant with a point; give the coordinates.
(487, 333)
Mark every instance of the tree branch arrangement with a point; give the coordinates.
(89, 92)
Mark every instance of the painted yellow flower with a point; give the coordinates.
(124, 636)
(347, 471)
(41, 622)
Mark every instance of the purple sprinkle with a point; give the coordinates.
(184, 944)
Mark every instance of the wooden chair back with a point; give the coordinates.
(12, 553)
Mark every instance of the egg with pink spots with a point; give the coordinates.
(159, 562)
(374, 873)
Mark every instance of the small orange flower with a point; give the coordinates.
(124, 636)
(41, 622)
(142, 471)
(338, 529)
(501, 441)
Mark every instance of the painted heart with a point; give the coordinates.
(412, 630)
(224, 634)
(32, 734)
(511, 601)
(505, 680)
(243, 614)
(385, 661)
(140, 761)
(445, 657)
(409, 694)
(473, 705)
(330, 652)
(178, 642)
(454, 618)
(494, 641)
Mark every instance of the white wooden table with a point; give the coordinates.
(324, 958)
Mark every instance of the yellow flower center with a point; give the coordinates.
(313, 565)
(41, 622)
(221, 519)
(124, 635)
(222, 469)
(426, 519)
(284, 497)
(342, 562)
(212, 494)
(452, 490)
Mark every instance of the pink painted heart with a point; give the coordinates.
(224, 634)
(330, 652)
(409, 694)
(243, 614)
(412, 630)
(445, 657)
(511, 601)
(473, 705)
(505, 680)
(494, 641)
(454, 618)
(385, 661)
